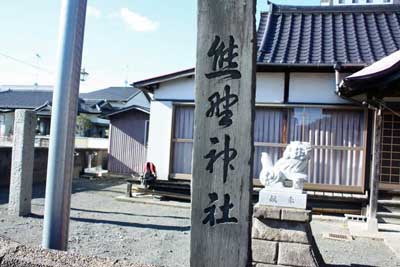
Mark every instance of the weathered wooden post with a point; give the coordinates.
(223, 138)
(372, 221)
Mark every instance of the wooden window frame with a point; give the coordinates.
(308, 186)
(172, 175)
(389, 185)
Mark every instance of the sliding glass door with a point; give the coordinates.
(337, 136)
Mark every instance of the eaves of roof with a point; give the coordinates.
(383, 75)
(134, 107)
(149, 83)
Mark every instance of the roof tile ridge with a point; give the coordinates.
(299, 38)
(276, 39)
(353, 24)
(342, 21)
(287, 41)
(370, 46)
(266, 31)
(381, 42)
(390, 30)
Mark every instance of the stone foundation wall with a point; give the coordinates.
(40, 163)
(282, 236)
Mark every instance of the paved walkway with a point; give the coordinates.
(389, 233)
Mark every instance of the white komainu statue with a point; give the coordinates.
(292, 166)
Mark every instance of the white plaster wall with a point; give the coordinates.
(304, 87)
(270, 87)
(160, 130)
(180, 89)
(313, 88)
(139, 100)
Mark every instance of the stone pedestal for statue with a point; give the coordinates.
(283, 237)
(281, 233)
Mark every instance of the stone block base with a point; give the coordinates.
(283, 237)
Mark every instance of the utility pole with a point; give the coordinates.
(63, 123)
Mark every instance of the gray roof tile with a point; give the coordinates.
(111, 94)
(318, 35)
(29, 99)
(35, 98)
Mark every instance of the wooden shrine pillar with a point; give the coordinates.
(375, 171)
(223, 137)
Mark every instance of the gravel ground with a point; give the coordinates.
(152, 234)
(140, 233)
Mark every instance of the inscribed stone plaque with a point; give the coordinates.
(223, 138)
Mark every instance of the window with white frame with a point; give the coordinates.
(182, 142)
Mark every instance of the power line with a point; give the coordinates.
(26, 63)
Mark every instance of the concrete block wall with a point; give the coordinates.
(40, 163)
(283, 237)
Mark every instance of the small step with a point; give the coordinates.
(388, 217)
(389, 205)
(389, 202)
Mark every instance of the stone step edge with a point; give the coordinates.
(389, 202)
(388, 215)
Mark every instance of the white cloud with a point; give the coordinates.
(138, 22)
(93, 11)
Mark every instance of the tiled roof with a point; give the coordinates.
(29, 99)
(325, 35)
(111, 94)
(35, 99)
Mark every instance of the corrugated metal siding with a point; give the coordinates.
(127, 143)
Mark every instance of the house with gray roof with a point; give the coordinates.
(40, 100)
(303, 53)
(117, 97)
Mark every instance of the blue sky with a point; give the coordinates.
(124, 39)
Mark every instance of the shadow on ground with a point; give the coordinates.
(351, 265)
(130, 214)
(125, 224)
(81, 185)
